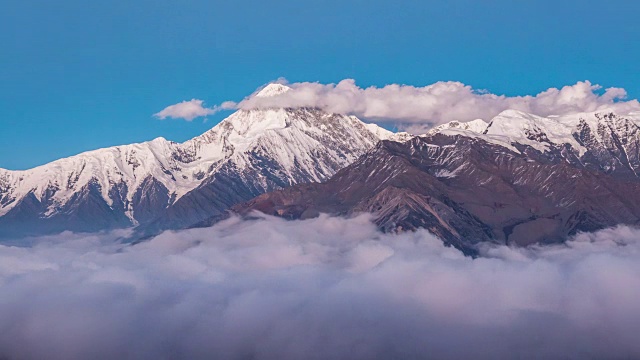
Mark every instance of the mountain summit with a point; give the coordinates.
(272, 90)
(163, 184)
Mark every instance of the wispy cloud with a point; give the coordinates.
(320, 288)
(187, 110)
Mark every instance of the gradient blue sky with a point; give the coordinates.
(79, 75)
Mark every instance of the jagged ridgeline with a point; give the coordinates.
(518, 180)
(162, 184)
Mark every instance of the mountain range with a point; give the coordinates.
(161, 184)
(518, 179)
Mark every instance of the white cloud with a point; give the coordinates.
(420, 107)
(319, 288)
(187, 110)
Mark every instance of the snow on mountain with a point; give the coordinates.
(535, 131)
(251, 152)
(601, 139)
(299, 145)
(467, 191)
(128, 165)
(477, 126)
(272, 90)
(384, 134)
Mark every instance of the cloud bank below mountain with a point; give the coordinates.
(320, 288)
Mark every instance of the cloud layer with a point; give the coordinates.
(418, 108)
(321, 288)
(441, 102)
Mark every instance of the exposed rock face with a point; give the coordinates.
(470, 187)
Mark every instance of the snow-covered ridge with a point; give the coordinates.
(516, 127)
(255, 151)
(384, 134)
(477, 126)
(294, 139)
(272, 90)
(603, 141)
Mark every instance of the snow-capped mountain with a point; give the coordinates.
(518, 179)
(602, 140)
(540, 178)
(166, 183)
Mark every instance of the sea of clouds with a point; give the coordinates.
(324, 288)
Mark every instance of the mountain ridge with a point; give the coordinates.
(160, 184)
(136, 183)
(470, 187)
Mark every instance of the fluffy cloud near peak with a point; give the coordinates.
(441, 102)
(418, 108)
(320, 288)
(187, 110)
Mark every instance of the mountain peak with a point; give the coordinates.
(513, 113)
(476, 126)
(273, 90)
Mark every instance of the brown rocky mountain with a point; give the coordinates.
(469, 187)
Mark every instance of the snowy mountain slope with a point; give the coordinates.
(126, 166)
(300, 146)
(519, 179)
(602, 140)
(257, 151)
(467, 190)
(476, 126)
(162, 184)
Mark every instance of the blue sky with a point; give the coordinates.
(79, 75)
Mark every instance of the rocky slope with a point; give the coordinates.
(519, 179)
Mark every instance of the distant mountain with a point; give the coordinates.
(162, 184)
(519, 179)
